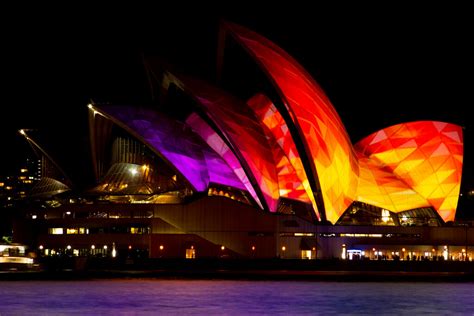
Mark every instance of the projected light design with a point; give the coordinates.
(294, 145)
(399, 168)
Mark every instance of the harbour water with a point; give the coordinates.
(222, 297)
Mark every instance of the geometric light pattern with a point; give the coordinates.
(319, 127)
(426, 155)
(380, 187)
(296, 146)
(399, 168)
(219, 146)
(288, 162)
(242, 132)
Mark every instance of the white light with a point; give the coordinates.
(385, 215)
(68, 247)
(34, 216)
(93, 247)
(114, 251)
(90, 106)
(41, 247)
(22, 260)
(68, 213)
(133, 171)
(105, 247)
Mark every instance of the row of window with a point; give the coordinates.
(362, 235)
(99, 230)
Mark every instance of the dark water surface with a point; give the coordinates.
(215, 297)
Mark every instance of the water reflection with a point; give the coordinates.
(233, 297)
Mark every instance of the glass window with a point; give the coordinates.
(56, 231)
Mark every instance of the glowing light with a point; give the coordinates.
(162, 247)
(133, 171)
(427, 155)
(114, 251)
(90, 106)
(283, 248)
(22, 260)
(253, 248)
(319, 127)
(68, 247)
(129, 247)
(304, 234)
(403, 249)
(105, 247)
(222, 248)
(445, 253)
(34, 216)
(385, 215)
(41, 247)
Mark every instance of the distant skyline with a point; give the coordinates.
(377, 69)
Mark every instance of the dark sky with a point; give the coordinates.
(379, 65)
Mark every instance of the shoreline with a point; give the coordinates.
(258, 270)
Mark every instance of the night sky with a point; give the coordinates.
(379, 66)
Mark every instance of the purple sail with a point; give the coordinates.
(171, 140)
(176, 143)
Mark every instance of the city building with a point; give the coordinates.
(266, 170)
(15, 188)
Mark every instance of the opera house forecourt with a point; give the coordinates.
(262, 168)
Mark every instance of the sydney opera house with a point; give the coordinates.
(262, 168)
